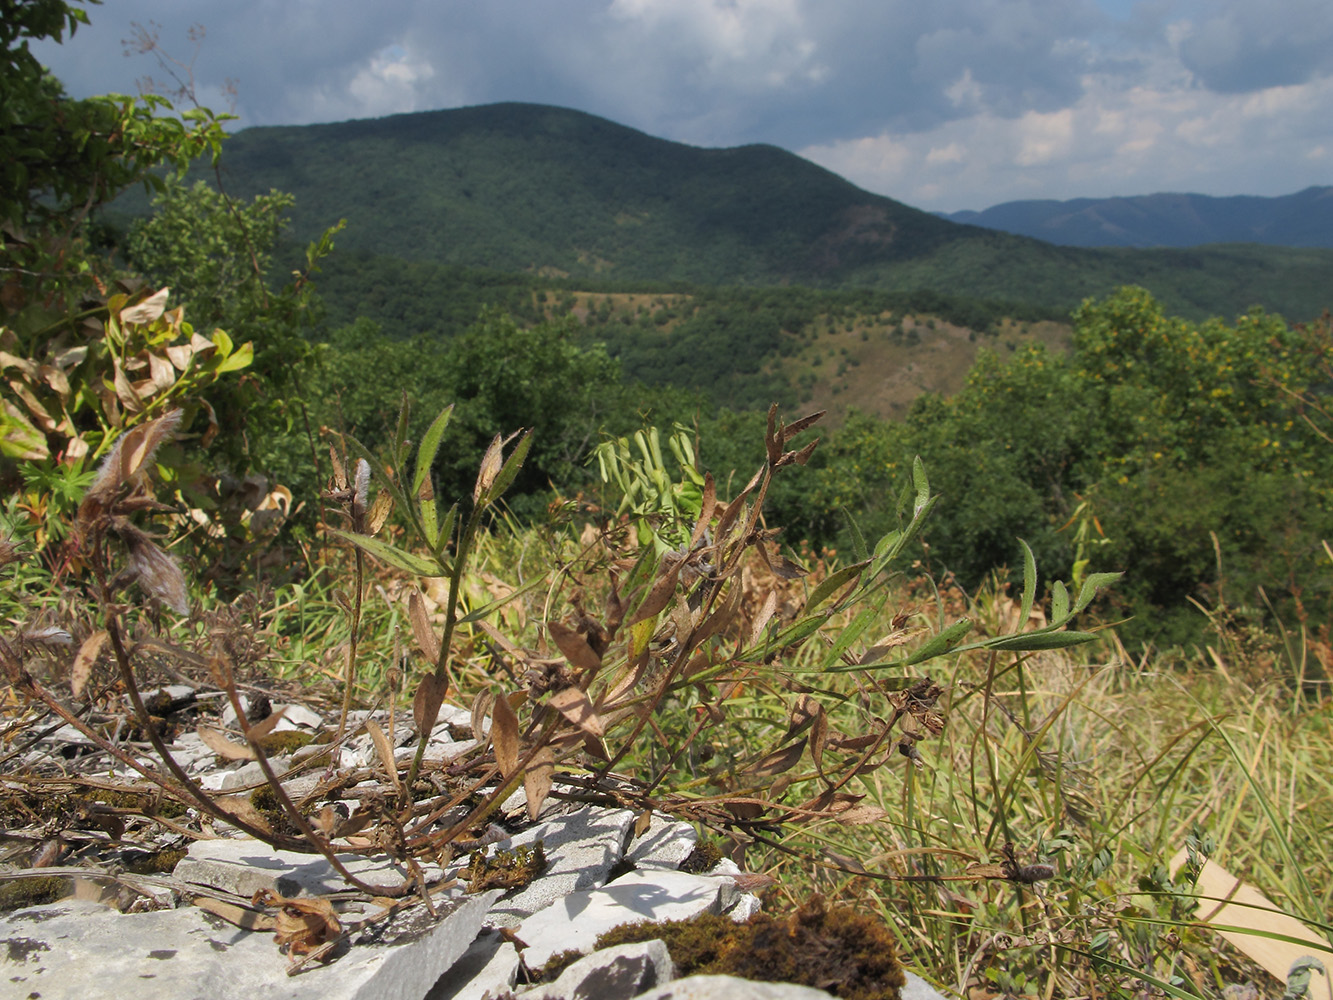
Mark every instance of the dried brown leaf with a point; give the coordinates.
(422, 629)
(242, 916)
(781, 759)
(504, 735)
(819, 738)
(385, 751)
(659, 595)
(802, 714)
(764, 617)
(722, 618)
(481, 707)
(217, 741)
(706, 509)
(642, 822)
(261, 729)
(244, 810)
(379, 512)
(537, 780)
(574, 705)
(147, 310)
(796, 426)
(427, 701)
(302, 925)
(84, 660)
(574, 646)
(858, 815)
(157, 573)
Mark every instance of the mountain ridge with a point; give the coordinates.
(538, 189)
(1166, 219)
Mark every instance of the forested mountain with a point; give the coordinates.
(1303, 219)
(560, 193)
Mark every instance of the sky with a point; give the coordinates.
(942, 104)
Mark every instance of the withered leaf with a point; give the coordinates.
(752, 881)
(573, 645)
(706, 509)
(261, 729)
(574, 705)
(427, 701)
(859, 815)
(781, 759)
(802, 714)
(379, 512)
(537, 780)
(147, 310)
(302, 925)
(796, 426)
(723, 616)
(422, 630)
(243, 809)
(217, 741)
(385, 751)
(762, 619)
(819, 738)
(659, 595)
(242, 916)
(642, 822)
(82, 668)
(504, 734)
(481, 706)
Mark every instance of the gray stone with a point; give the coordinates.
(918, 989)
(488, 968)
(81, 949)
(745, 907)
(575, 921)
(244, 866)
(618, 973)
(665, 844)
(731, 988)
(581, 849)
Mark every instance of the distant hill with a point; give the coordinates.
(558, 193)
(1304, 219)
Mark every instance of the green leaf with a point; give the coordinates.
(942, 643)
(1091, 584)
(509, 471)
(922, 486)
(831, 584)
(1059, 603)
(393, 556)
(446, 529)
(1029, 641)
(1029, 583)
(242, 357)
(858, 539)
(430, 444)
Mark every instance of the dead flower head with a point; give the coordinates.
(158, 574)
(124, 468)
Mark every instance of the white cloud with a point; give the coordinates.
(1113, 140)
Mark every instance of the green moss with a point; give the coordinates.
(839, 950)
(158, 863)
(16, 894)
(285, 741)
(703, 858)
(505, 869)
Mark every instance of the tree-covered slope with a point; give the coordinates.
(560, 193)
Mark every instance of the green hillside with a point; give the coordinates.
(563, 194)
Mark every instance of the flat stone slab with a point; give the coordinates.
(244, 866)
(77, 948)
(731, 988)
(575, 921)
(581, 849)
(488, 967)
(665, 844)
